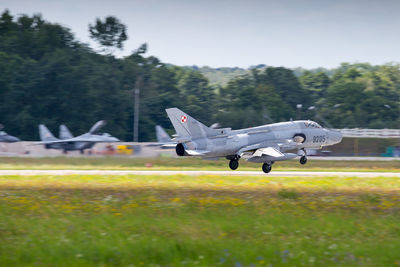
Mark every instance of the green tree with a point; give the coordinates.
(197, 96)
(316, 84)
(110, 33)
(287, 85)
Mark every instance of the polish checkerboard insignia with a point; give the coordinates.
(183, 119)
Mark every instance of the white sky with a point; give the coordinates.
(217, 33)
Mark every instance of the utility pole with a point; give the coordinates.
(136, 112)
(299, 107)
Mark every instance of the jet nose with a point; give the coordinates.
(14, 139)
(335, 137)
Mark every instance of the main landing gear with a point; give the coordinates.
(266, 167)
(234, 162)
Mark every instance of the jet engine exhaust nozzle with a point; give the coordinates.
(180, 149)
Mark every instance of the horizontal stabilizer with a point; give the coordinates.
(168, 146)
(181, 139)
(196, 152)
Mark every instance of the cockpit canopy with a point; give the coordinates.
(312, 124)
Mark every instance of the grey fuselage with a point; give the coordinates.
(71, 146)
(6, 138)
(82, 142)
(271, 135)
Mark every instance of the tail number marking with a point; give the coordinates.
(319, 139)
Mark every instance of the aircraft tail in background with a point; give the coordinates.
(97, 126)
(45, 134)
(65, 133)
(162, 136)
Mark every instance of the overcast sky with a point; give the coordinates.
(217, 33)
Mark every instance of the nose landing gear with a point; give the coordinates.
(303, 160)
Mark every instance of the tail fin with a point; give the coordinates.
(96, 127)
(45, 134)
(65, 133)
(186, 126)
(162, 136)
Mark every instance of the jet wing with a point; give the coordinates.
(278, 145)
(65, 141)
(162, 145)
(289, 144)
(268, 151)
(271, 149)
(95, 139)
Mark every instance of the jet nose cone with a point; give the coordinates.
(13, 139)
(335, 137)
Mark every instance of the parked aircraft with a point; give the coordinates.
(67, 142)
(164, 141)
(162, 136)
(263, 144)
(6, 138)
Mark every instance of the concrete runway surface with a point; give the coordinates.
(196, 173)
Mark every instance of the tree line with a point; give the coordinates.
(47, 76)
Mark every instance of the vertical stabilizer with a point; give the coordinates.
(186, 126)
(162, 136)
(97, 126)
(45, 134)
(65, 133)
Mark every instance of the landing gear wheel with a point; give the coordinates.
(233, 164)
(266, 167)
(303, 160)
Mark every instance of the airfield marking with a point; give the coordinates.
(197, 173)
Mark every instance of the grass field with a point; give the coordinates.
(115, 163)
(199, 221)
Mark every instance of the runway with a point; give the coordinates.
(197, 173)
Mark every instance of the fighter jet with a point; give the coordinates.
(6, 138)
(263, 144)
(67, 142)
(162, 136)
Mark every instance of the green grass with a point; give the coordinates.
(115, 163)
(92, 220)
